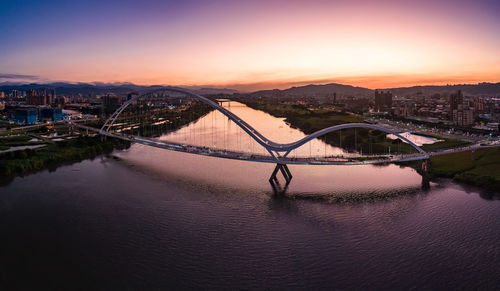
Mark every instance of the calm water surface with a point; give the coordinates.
(148, 219)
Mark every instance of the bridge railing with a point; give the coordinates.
(278, 151)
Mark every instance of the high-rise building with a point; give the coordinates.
(33, 97)
(46, 97)
(61, 101)
(31, 92)
(52, 96)
(456, 100)
(51, 114)
(111, 100)
(26, 116)
(479, 104)
(383, 99)
(2, 94)
(463, 116)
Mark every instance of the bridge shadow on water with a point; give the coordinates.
(280, 188)
(347, 197)
(280, 192)
(486, 194)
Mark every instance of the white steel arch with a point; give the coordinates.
(272, 147)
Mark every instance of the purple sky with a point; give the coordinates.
(251, 43)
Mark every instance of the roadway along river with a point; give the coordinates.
(147, 219)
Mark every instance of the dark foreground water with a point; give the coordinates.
(138, 222)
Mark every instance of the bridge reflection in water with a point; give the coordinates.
(145, 123)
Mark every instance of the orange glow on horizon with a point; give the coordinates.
(370, 82)
(377, 44)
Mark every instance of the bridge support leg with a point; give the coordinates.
(425, 169)
(277, 188)
(426, 166)
(285, 168)
(273, 175)
(284, 171)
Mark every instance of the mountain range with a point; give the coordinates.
(103, 88)
(314, 91)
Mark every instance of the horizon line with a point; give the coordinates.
(234, 86)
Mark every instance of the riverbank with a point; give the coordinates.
(311, 120)
(27, 161)
(303, 118)
(7, 142)
(360, 140)
(480, 167)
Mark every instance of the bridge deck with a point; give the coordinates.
(334, 160)
(206, 151)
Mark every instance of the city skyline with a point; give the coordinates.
(251, 46)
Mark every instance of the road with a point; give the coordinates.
(410, 127)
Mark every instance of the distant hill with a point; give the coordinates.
(209, 91)
(311, 91)
(323, 91)
(103, 88)
(481, 89)
(318, 91)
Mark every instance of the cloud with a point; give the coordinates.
(17, 76)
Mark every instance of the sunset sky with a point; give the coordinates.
(251, 44)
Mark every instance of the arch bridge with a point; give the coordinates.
(278, 153)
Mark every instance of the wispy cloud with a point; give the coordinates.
(18, 78)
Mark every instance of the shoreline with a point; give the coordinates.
(479, 168)
(482, 171)
(21, 163)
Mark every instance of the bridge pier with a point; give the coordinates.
(425, 169)
(275, 183)
(426, 166)
(278, 190)
(283, 168)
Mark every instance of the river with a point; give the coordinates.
(147, 218)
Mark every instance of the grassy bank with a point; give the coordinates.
(152, 123)
(23, 162)
(13, 141)
(308, 121)
(361, 140)
(481, 168)
(303, 118)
